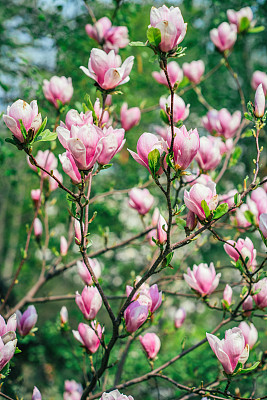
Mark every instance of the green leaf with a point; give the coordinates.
(244, 290)
(239, 265)
(180, 222)
(137, 44)
(237, 199)
(220, 210)
(249, 217)
(106, 166)
(248, 133)
(46, 136)
(250, 107)
(257, 29)
(169, 160)
(154, 36)
(164, 117)
(40, 130)
(17, 351)
(154, 161)
(90, 106)
(246, 370)
(23, 129)
(205, 207)
(248, 116)
(244, 24)
(169, 258)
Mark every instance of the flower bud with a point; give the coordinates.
(37, 228)
(36, 195)
(64, 315)
(227, 294)
(174, 71)
(224, 37)
(36, 395)
(88, 336)
(63, 246)
(179, 317)
(89, 302)
(151, 344)
(85, 274)
(250, 333)
(247, 305)
(162, 228)
(259, 102)
(58, 88)
(135, 315)
(77, 231)
(156, 298)
(129, 117)
(155, 217)
(141, 200)
(194, 70)
(261, 297)
(191, 221)
(26, 321)
(203, 278)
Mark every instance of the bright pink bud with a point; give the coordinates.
(230, 350)
(135, 315)
(28, 113)
(156, 297)
(263, 224)
(258, 78)
(89, 337)
(200, 192)
(36, 195)
(224, 37)
(69, 167)
(227, 294)
(64, 315)
(151, 344)
(261, 297)
(208, 156)
(194, 70)
(59, 88)
(99, 29)
(237, 17)
(77, 119)
(10, 326)
(107, 70)
(180, 110)
(26, 321)
(179, 317)
(37, 228)
(85, 274)
(77, 231)
(259, 102)
(191, 221)
(162, 228)
(247, 306)
(245, 247)
(174, 71)
(203, 278)
(36, 395)
(141, 200)
(171, 25)
(89, 302)
(115, 395)
(112, 141)
(105, 115)
(250, 333)
(63, 246)
(222, 122)
(129, 117)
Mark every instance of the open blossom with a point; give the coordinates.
(151, 344)
(89, 302)
(236, 17)
(59, 88)
(112, 141)
(107, 69)
(171, 25)
(230, 350)
(180, 110)
(141, 200)
(222, 122)
(200, 192)
(203, 278)
(73, 390)
(37, 228)
(208, 156)
(259, 102)
(261, 297)
(129, 117)
(26, 321)
(263, 224)
(64, 315)
(194, 70)
(259, 77)
(179, 317)
(250, 333)
(89, 336)
(115, 395)
(135, 315)
(63, 246)
(85, 274)
(227, 294)
(247, 305)
(224, 37)
(28, 113)
(246, 249)
(36, 395)
(174, 71)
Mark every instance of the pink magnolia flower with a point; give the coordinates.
(107, 70)
(245, 247)
(106, 120)
(37, 228)
(64, 315)
(59, 88)
(263, 224)
(156, 297)
(63, 246)
(261, 297)
(194, 70)
(46, 160)
(222, 122)
(115, 395)
(236, 17)
(112, 141)
(85, 274)
(250, 333)
(200, 192)
(8, 345)
(73, 390)
(227, 294)
(77, 231)
(230, 350)
(146, 143)
(89, 302)
(26, 321)
(148, 296)
(259, 197)
(10, 326)
(247, 305)
(36, 395)
(191, 221)
(179, 317)
(70, 168)
(174, 71)
(180, 110)
(162, 228)
(259, 102)
(259, 77)
(203, 278)
(135, 315)
(36, 195)
(171, 25)
(208, 156)
(224, 37)
(88, 336)
(129, 117)
(99, 29)
(28, 113)
(141, 200)
(75, 118)
(151, 344)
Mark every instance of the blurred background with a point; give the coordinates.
(40, 39)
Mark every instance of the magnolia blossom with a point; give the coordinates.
(141, 200)
(230, 350)
(259, 102)
(258, 198)
(250, 333)
(222, 122)
(112, 141)
(115, 395)
(180, 110)
(208, 156)
(245, 248)
(8, 339)
(63, 246)
(261, 297)
(203, 278)
(171, 25)
(88, 336)
(70, 168)
(73, 117)
(236, 17)
(46, 160)
(107, 70)
(10, 326)
(135, 315)
(28, 113)
(37, 228)
(59, 88)
(175, 74)
(36, 395)
(224, 37)
(26, 321)
(191, 221)
(129, 117)
(162, 228)
(104, 116)
(200, 192)
(151, 344)
(179, 317)
(259, 77)
(73, 390)
(89, 302)
(227, 294)
(36, 196)
(146, 295)
(263, 224)
(64, 315)
(77, 231)
(194, 70)
(85, 274)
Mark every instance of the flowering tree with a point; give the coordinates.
(185, 169)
